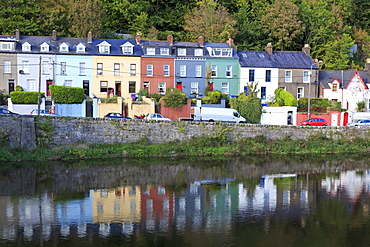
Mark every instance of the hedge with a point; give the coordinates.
(67, 95)
(21, 97)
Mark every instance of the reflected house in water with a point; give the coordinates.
(157, 208)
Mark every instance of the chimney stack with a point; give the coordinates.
(201, 40)
(137, 38)
(306, 49)
(367, 65)
(17, 34)
(89, 37)
(268, 48)
(230, 42)
(170, 39)
(54, 36)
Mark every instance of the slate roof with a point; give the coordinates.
(278, 59)
(36, 41)
(343, 76)
(115, 48)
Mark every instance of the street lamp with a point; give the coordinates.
(309, 89)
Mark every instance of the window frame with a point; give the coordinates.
(99, 69)
(26, 66)
(300, 92)
(150, 51)
(213, 70)
(105, 87)
(194, 87)
(198, 70)
(263, 93)
(132, 87)
(7, 67)
(161, 87)
(182, 70)
(116, 69)
(306, 76)
(149, 69)
(63, 68)
(268, 75)
(288, 78)
(225, 89)
(229, 71)
(166, 70)
(133, 69)
(82, 68)
(251, 75)
(181, 51)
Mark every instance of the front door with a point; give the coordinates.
(179, 85)
(86, 87)
(118, 88)
(10, 86)
(48, 83)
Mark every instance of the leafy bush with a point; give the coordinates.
(174, 98)
(284, 98)
(156, 96)
(21, 97)
(250, 108)
(67, 95)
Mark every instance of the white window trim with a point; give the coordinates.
(182, 70)
(127, 48)
(194, 87)
(44, 47)
(63, 47)
(165, 51)
(99, 70)
(116, 69)
(223, 88)
(161, 85)
(229, 70)
(308, 76)
(80, 48)
(149, 68)
(214, 69)
(181, 52)
(45, 67)
(31, 85)
(7, 67)
(104, 47)
(300, 95)
(26, 67)
(286, 78)
(150, 51)
(198, 52)
(198, 70)
(82, 68)
(26, 47)
(166, 70)
(63, 68)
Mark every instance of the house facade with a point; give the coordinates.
(115, 68)
(346, 86)
(8, 60)
(157, 65)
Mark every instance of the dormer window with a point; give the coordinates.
(44, 47)
(198, 52)
(150, 51)
(63, 47)
(221, 52)
(26, 47)
(104, 47)
(164, 51)
(127, 48)
(80, 48)
(6, 46)
(181, 52)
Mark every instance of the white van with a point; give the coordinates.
(213, 114)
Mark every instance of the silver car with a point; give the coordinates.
(360, 122)
(156, 117)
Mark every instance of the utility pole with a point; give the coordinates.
(39, 93)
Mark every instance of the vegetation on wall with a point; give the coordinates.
(284, 98)
(21, 97)
(214, 97)
(67, 95)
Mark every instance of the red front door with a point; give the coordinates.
(179, 85)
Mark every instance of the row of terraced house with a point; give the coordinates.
(121, 67)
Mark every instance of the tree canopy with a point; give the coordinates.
(330, 27)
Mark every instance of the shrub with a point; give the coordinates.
(21, 97)
(174, 98)
(249, 108)
(67, 95)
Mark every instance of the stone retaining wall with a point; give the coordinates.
(70, 130)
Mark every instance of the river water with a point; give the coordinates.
(250, 201)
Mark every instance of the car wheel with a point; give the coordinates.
(324, 125)
(307, 125)
(211, 120)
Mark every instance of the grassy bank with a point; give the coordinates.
(217, 145)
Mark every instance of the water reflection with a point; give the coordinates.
(203, 208)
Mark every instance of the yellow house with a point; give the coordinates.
(115, 68)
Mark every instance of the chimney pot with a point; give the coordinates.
(138, 39)
(268, 48)
(170, 39)
(54, 35)
(306, 49)
(89, 37)
(230, 42)
(367, 65)
(201, 41)
(17, 34)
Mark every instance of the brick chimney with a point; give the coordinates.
(230, 42)
(306, 49)
(268, 48)
(367, 65)
(17, 34)
(201, 40)
(170, 39)
(89, 37)
(54, 36)
(137, 38)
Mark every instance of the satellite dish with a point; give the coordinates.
(21, 72)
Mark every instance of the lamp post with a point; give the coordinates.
(309, 90)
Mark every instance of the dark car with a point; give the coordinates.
(314, 122)
(7, 112)
(115, 115)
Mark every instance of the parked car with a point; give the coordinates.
(115, 115)
(43, 112)
(314, 122)
(4, 111)
(156, 117)
(360, 122)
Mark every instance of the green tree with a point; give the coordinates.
(20, 14)
(284, 98)
(210, 20)
(283, 25)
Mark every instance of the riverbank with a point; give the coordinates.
(216, 145)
